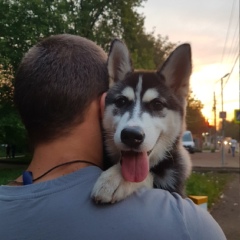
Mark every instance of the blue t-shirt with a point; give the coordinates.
(61, 209)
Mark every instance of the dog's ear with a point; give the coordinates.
(119, 61)
(177, 70)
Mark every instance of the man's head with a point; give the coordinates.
(56, 82)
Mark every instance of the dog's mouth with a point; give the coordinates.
(135, 165)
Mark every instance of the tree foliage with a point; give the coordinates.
(149, 52)
(195, 120)
(23, 23)
(6, 86)
(231, 129)
(11, 128)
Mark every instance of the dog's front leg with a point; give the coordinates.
(111, 186)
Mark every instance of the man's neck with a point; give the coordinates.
(49, 156)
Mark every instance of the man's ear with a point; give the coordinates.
(102, 104)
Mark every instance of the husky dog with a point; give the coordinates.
(143, 122)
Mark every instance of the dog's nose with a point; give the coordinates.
(132, 136)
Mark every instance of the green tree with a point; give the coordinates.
(231, 129)
(162, 48)
(23, 23)
(195, 120)
(149, 52)
(11, 128)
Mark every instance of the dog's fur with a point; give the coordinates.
(143, 122)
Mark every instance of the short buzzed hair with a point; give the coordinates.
(56, 82)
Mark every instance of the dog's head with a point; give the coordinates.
(144, 111)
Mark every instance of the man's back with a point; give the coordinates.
(233, 143)
(62, 209)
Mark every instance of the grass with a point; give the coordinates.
(2, 151)
(7, 175)
(209, 184)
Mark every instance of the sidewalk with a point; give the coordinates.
(208, 160)
(227, 210)
(12, 162)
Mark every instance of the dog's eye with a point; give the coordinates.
(156, 104)
(121, 101)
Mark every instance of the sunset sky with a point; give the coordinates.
(212, 29)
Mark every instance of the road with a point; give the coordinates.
(214, 160)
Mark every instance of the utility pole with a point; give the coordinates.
(223, 116)
(222, 123)
(215, 121)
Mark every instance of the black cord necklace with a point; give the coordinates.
(28, 176)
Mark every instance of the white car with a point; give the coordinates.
(188, 142)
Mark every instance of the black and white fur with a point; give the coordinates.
(150, 106)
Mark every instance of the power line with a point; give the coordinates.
(232, 69)
(229, 101)
(235, 41)
(230, 51)
(234, 46)
(229, 24)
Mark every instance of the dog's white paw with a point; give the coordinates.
(111, 186)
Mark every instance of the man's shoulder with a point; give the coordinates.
(158, 212)
(152, 204)
(146, 214)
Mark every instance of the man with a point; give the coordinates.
(58, 90)
(233, 143)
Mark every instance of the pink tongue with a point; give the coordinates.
(135, 166)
